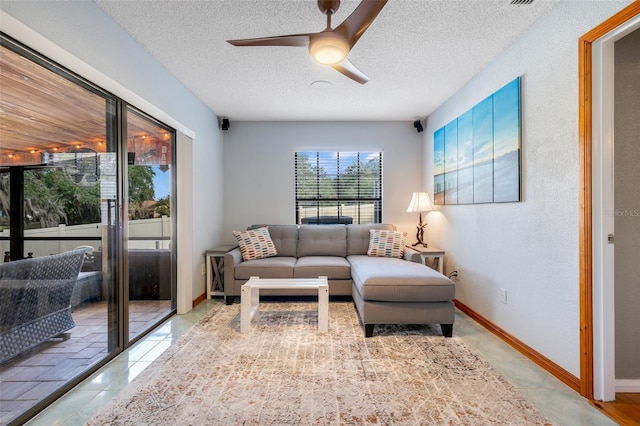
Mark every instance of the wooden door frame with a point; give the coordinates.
(585, 111)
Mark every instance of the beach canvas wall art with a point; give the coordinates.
(477, 155)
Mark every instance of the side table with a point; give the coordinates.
(214, 269)
(435, 254)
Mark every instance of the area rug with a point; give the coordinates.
(285, 373)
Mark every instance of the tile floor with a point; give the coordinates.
(32, 376)
(560, 404)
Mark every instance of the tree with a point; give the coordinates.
(5, 203)
(313, 181)
(141, 191)
(163, 206)
(51, 198)
(44, 198)
(363, 176)
(81, 204)
(55, 195)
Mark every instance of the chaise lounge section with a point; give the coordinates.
(385, 290)
(394, 291)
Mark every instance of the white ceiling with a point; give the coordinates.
(417, 53)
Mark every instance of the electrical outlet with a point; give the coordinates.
(503, 295)
(455, 273)
(202, 270)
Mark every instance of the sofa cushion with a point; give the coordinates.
(284, 237)
(358, 237)
(386, 243)
(333, 267)
(255, 243)
(322, 240)
(271, 267)
(387, 279)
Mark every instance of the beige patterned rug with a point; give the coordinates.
(285, 373)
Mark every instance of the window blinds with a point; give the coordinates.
(338, 187)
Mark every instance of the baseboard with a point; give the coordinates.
(567, 378)
(199, 299)
(628, 386)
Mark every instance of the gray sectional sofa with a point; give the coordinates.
(385, 290)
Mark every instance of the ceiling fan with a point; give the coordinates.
(332, 45)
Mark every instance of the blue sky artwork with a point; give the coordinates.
(477, 155)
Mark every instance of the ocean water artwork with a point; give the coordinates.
(477, 155)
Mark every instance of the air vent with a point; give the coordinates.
(520, 2)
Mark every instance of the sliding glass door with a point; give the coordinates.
(151, 260)
(58, 193)
(79, 169)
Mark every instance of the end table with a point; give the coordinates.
(436, 254)
(214, 269)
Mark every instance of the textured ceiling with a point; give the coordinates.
(417, 53)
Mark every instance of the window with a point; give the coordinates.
(338, 187)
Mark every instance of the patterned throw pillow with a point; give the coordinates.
(255, 243)
(386, 243)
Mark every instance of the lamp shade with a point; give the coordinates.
(420, 202)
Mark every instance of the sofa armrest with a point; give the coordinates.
(231, 259)
(412, 255)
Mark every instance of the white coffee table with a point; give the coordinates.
(250, 297)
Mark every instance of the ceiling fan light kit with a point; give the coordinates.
(328, 48)
(331, 46)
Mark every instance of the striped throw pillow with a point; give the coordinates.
(255, 244)
(386, 243)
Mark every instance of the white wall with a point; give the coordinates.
(259, 167)
(528, 248)
(78, 35)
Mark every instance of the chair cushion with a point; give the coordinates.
(333, 267)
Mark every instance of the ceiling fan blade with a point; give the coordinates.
(348, 69)
(357, 23)
(297, 40)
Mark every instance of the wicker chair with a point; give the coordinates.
(35, 297)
